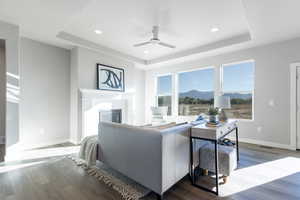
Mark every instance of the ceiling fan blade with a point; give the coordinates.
(141, 44)
(167, 45)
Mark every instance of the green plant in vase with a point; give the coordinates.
(213, 113)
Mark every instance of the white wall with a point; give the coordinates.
(85, 77)
(272, 79)
(45, 94)
(74, 96)
(10, 33)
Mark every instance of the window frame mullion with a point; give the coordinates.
(175, 94)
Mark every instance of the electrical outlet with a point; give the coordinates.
(2, 139)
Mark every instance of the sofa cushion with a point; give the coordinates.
(164, 126)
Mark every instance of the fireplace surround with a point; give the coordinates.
(96, 106)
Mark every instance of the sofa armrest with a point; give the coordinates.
(175, 154)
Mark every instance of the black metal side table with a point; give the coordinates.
(213, 134)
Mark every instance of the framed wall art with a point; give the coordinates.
(110, 78)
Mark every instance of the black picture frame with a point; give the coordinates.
(116, 83)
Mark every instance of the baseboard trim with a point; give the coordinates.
(268, 144)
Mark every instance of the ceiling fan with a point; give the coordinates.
(155, 40)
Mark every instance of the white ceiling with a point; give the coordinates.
(185, 24)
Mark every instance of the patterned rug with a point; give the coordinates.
(127, 188)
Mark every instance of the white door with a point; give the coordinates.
(298, 108)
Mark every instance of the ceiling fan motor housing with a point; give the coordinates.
(155, 41)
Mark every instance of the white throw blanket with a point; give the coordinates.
(88, 150)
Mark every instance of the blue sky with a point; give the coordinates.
(202, 80)
(164, 85)
(237, 77)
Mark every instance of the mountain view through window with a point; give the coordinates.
(238, 84)
(196, 91)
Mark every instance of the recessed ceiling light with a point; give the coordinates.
(146, 52)
(98, 32)
(215, 29)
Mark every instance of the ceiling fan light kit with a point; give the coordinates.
(155, 40)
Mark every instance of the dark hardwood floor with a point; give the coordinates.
(263, 174)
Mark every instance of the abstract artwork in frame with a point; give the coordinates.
(110, 78)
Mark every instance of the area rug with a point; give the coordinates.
(127, 188)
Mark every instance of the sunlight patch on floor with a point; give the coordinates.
(42, 153)
(257, 175)
(8, 168)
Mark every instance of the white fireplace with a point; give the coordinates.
(94, 102)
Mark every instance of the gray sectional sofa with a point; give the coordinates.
(157, 159)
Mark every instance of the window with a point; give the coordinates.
(196, 91)
(164, 92)
(238, 84)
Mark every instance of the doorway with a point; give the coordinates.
(2, 100)
(298, 108)
(295, 105)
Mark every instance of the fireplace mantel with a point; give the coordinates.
(86, 93)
